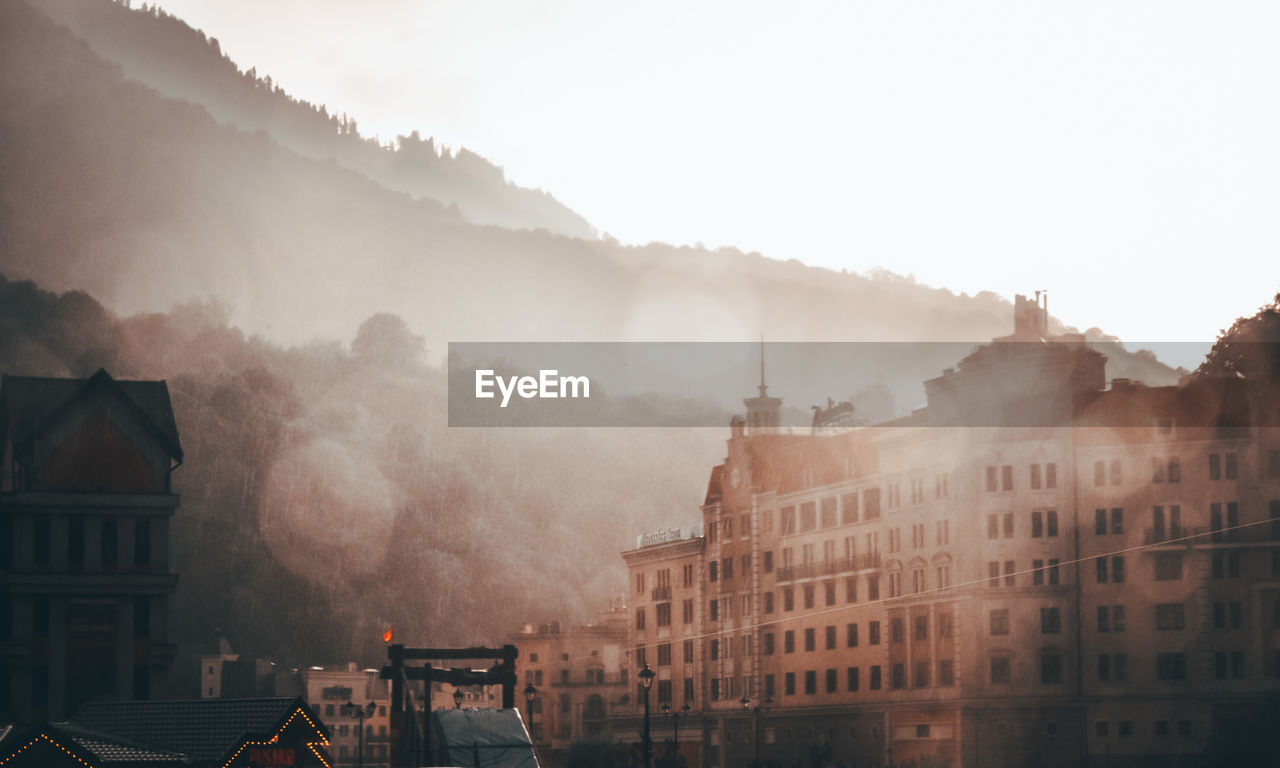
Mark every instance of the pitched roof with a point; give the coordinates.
(201, 729)
(112, 749)
(83, 744)
(31, 401)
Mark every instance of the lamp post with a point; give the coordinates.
(755, 723)
(357, 712)
(646, 679)
(424, 720)
(457, 698)
(529, 694)
(675, 730)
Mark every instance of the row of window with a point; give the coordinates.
(1114, 667)
(662, 578)
(1043, 573)
(846, 509)
(1042, 476)
(1050, 621)
(330, 710)
(848, 546)
(922, 678)
(1225, 564)
(371, 751)
(40, 618)
(1221, 466)
(108, 535)
(1124, 728)
(826, 513)
(1111, 667)
(1044, 524)
(1166, 520)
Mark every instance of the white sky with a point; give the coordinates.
(1125, 156)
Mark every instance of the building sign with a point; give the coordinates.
(336, 692)
(270, 757)
(658, 537)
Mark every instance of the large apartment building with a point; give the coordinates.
(1038, 567)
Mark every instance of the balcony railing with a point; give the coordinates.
(661, 593)
(1268, 533)
(1169, 533)
(1253, 534)
(864, 562)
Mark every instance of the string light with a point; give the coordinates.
(45, 737)
(276, 739)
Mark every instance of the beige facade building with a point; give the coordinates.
(327, 690)
(1037, 568)
(581, 675)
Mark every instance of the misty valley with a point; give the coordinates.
(241, 288)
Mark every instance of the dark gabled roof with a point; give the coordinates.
(201, 729)
(109, 748)
(86, 745)
(31, 401)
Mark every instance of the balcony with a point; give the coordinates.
(1167, 534)
(865, 562)
(1265, 533)
(660, 593)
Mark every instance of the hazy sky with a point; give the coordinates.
(1122, 155)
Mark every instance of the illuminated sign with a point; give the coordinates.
(270, 757)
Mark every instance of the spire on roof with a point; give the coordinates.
(764, 388)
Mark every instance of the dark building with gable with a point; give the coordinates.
(85, 579)
(202, 733)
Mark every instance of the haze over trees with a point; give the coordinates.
(323, 498)
(1249, 349)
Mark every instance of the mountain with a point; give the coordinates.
(318, 467)
(164, 53)
(109, 186)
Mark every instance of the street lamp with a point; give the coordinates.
(646, 679)
(755, 724)
(529, 693)
(357, 712)
(457, 698)
(675, 730)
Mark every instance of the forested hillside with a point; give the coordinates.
(323, 497)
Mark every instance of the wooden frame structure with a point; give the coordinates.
(411, 735)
